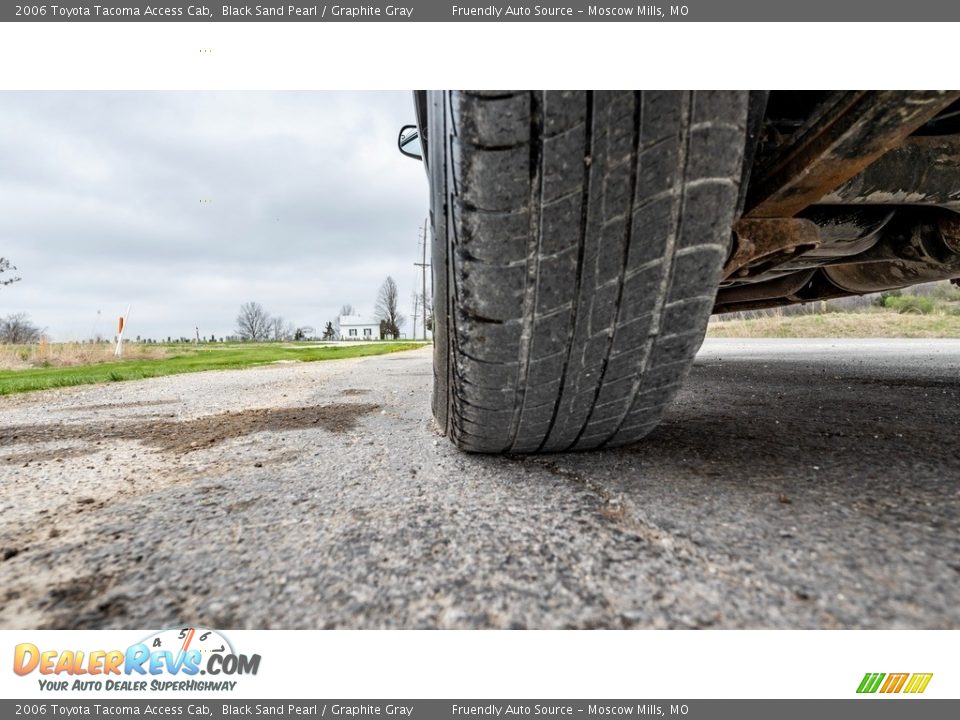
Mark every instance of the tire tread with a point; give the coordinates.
(581, 236)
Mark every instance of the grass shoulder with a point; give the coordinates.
(877, 324)
(54, 366)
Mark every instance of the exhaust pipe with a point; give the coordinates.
(927, 251)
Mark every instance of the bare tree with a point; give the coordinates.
(328, 332)
(345, 309)
(5, 266)
(16, 329)
(276, 328)
(280, 329)
(387, 310)
(253, 322)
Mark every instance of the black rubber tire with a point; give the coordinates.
(578, 239)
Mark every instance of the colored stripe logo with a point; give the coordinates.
(913, 683)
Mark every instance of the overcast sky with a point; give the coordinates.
(310, 206)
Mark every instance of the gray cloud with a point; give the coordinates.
(308, 206)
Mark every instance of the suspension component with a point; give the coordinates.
(926, 251)
(764, 243)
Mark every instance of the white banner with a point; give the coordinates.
(477, 664)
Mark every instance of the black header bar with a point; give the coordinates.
(479, 11)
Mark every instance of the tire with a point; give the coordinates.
(578, 239)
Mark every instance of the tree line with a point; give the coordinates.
(254, 322)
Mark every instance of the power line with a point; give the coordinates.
(423, 265)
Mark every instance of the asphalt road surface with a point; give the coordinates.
(794, 484)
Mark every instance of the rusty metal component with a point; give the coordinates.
(848, 133)
(781, 287)
(949, 228)
(817, 287)
(847, 231)
(843, 232)
(929, 251)
(924, 170)
(914, 247)
(765, 243)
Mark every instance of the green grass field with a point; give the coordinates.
(185, 358)
(876, 324)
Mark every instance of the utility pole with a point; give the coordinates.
(423, 265)
(416, 311)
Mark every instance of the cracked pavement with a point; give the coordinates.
(793, 484)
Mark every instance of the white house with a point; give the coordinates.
(359, 327)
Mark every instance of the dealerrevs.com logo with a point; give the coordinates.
(169, 660)
(889, 683)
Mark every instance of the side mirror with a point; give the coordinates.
(408, 142)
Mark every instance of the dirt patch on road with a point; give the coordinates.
(351, 392)
(55, 454)
(118, 405)
(188, 435)
(82, 603)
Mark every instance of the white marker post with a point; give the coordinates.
(121, 326)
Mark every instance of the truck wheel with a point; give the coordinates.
(578, 239)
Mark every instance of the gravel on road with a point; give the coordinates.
(794, 484)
